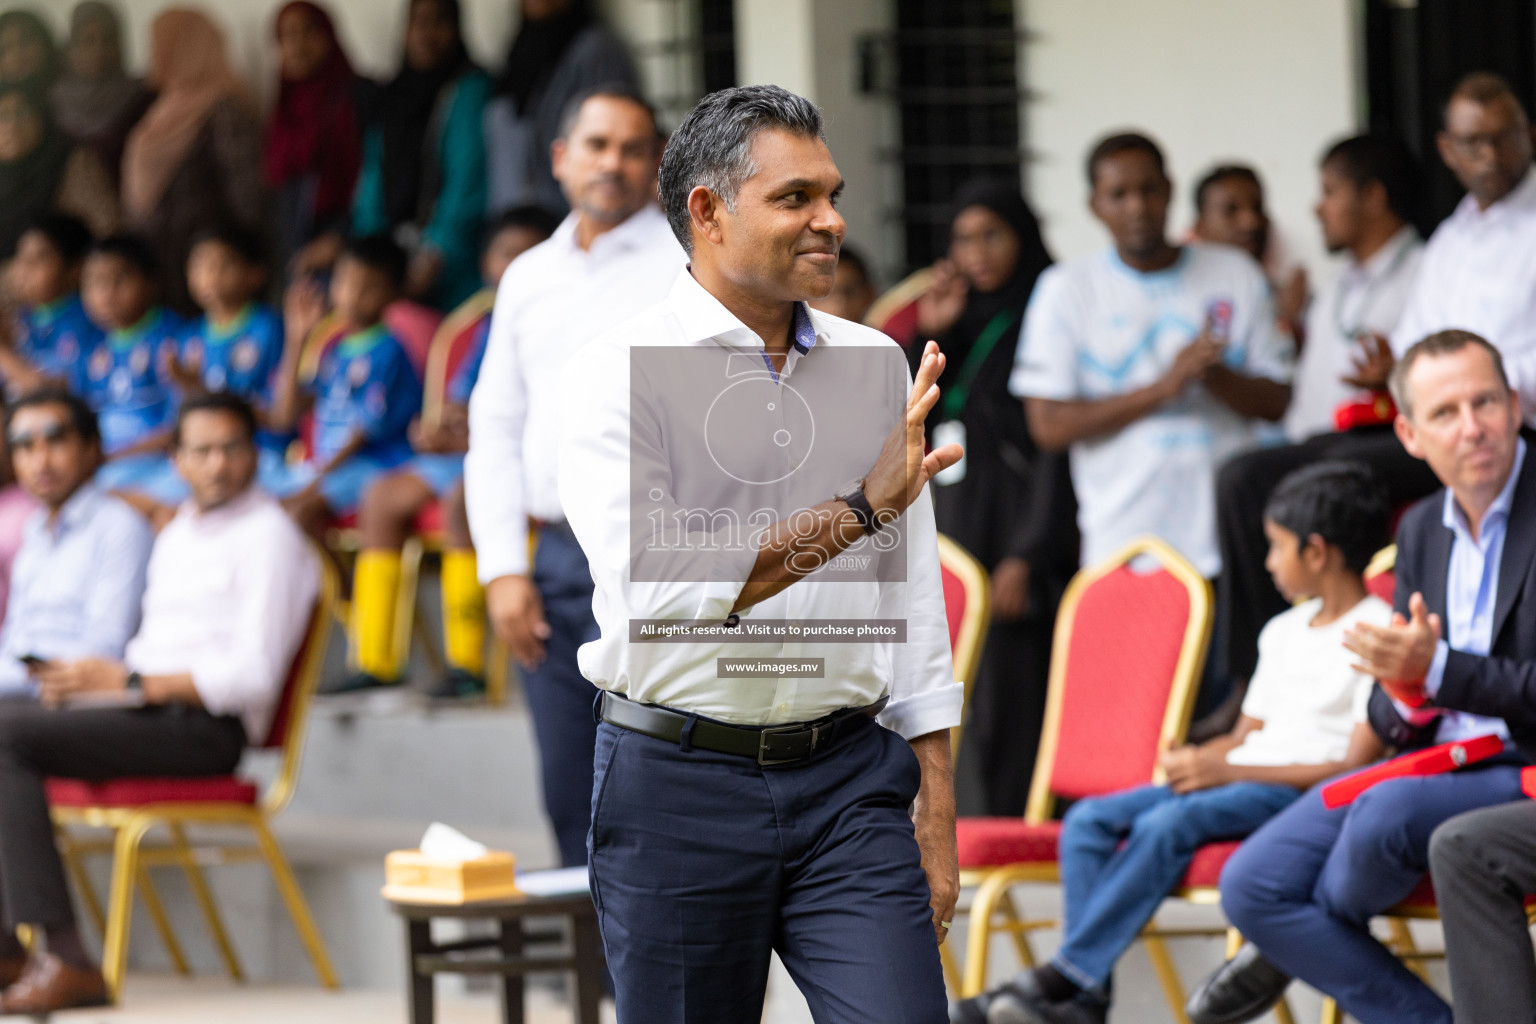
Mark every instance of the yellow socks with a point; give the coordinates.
(463, 613)
(375, 583)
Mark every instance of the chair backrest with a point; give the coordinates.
(1125, 663)
(968, 607)
(1381, 574)
(452, 342)
(291, 715)
(895, 312)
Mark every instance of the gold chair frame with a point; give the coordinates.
(131, 859)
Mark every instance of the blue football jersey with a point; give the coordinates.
(366, 383)
(123, 380)
(240, 357)
(54, 338)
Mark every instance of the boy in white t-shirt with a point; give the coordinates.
(1151, 362)
(1304, 720)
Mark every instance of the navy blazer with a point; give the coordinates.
(1502, 684)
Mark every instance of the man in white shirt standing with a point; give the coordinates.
(613, 256)
(231, 586)
(1368, 193)
(748, 479)
(1152, 362)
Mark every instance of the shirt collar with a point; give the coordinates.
(77, 509)
(1379, 262)
(123, 336)
(1455, 521)
(630, 234)
(704, 317)
(234, 508)
(48, 312)
(1521, 197)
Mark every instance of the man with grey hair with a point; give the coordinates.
(747, 477)
(613, 256)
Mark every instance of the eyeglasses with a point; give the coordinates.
(1471, 145)
(48, 435)
(204, 452)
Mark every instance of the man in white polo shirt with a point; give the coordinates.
(1152, 362)
(613, 256)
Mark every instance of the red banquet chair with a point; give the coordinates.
(1128, 650)
(895, 312)
(132, 807)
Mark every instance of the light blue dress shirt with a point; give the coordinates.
(76, 585)
(1471, 589)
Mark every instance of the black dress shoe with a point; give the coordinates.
(1245, 987)
(977, 1009)
(1007, 1008)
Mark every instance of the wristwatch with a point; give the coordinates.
(861, 508)
(135, 681)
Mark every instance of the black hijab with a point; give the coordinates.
(536, 51)
(406, 106)
(28, 183)
(1003, 198)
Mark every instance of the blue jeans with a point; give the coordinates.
(1121, 854)
(1305, 887)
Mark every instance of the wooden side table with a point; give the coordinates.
(519, 950)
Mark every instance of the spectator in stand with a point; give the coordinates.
(1006, 502)
(16, 508)
(314, 142)
(560, 50)
(231, 587)
(390, 506)
(76, 582)
(1153, 363)
(1229, 210)
(28, 55)
(1368, 198)
(195, 157)
(364, 394)
(423, 176)
(853, 290)
(126, 377)
(95, 102)
(50, 333)
(41, 171)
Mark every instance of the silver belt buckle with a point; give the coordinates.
(765, 761)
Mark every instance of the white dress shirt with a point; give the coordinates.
(1364, 298)
(229, 597)
(1478, 274)
(596, 475)
(553, 299)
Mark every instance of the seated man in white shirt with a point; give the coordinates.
(231, 585)
(1152, 362)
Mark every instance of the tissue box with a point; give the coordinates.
(412, 877)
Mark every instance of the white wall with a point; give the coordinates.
(1265, 82)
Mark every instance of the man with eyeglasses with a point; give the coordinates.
(230, 587)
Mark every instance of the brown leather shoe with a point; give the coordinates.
(49, 984)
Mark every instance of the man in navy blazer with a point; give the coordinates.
(1458, 661)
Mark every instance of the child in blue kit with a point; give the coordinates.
(1303, 720)
(50, 332)
(365, 391)
(125, 376)
(237, 344)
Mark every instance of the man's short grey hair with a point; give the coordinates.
(606, 90)
(1441, 343)
(713, 146)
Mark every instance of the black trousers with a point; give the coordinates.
(1246, 598)
(93, 744)
(1484, 862)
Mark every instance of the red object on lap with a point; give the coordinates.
(1447, 757)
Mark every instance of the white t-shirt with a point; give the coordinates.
(1304, 690)
(1094, 329)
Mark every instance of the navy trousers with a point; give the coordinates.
(703, 863)
(559, 697)
(1305, 886)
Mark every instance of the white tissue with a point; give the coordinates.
(442, 842)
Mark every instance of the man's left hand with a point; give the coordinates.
(61, 679)
(1400, 654)
(933, 820)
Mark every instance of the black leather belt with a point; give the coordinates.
(768, 745)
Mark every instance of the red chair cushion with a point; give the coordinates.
(1382, 584)
(1205, 870)
(1126, 635)
(133, 792)
(954, 603)
(992, 842)
(431, 519)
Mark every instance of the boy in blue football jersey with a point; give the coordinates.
(50, 332)
(365, 391)
(124, 376)
(237, 344)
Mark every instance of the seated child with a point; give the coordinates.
(237, 344)
(1303, 720)
(391, 505)
(50, 332)
(365, 391)
(124, 376)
